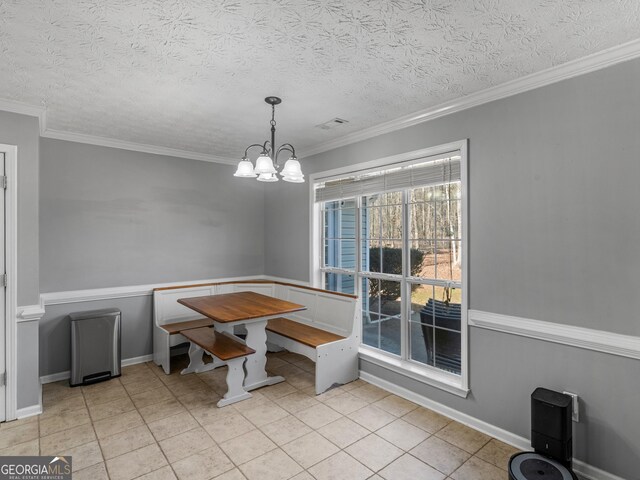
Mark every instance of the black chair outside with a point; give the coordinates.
(440, 324)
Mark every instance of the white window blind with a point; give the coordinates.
(428, 171)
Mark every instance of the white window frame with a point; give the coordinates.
(455, 384)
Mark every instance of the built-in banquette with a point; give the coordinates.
(328, 332)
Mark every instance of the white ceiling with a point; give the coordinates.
(192, 75)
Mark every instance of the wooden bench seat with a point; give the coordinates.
(305, 334)
(178, 327)
(224, 347)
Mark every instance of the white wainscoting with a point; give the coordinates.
(30, 313)
(24, 314)
(35, 312)
(91, 295)
(108, 293)
(584, 470)
(587, 338)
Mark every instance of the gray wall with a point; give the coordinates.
(112, 218)
(23, 131)
(554, 229)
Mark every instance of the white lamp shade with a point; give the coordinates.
(294, 179)
(267, 177)
(292, 168)
(245, 170)
(264, 164)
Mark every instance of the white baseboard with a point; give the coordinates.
(28, 411)
(31, 410)
(587, 338)
(56, 377)
(484, 427)
(135, 360)
(584, 470)
(589, 472)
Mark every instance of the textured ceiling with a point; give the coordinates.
(192, 74)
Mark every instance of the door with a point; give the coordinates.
(3, 291)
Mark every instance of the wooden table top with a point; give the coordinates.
(238, 306)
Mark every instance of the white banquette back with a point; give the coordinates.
(326, 310)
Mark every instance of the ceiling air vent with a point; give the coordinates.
(333, 123)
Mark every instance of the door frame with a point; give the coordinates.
(11, 266)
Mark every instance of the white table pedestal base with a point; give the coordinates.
(235, 390)
(256, 374)
(264, 383)
(235, 375)
(196, 364)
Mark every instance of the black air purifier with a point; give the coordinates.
(551, 438)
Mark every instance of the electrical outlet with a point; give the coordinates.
(575, 416)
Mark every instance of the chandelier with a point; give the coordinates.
(266, 168)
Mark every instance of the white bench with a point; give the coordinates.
(328, 332)
(336, 359)
(224, 348)
(168, 313)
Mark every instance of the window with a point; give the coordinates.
(394, 235)
(339, 245)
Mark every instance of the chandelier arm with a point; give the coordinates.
(287, 147)
(250, 146)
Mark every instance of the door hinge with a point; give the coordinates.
(3, 181)
(3, 280)
(3, 379)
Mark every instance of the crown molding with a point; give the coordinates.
(41, 113)
(597, 61)
(133, 146)
(22, 108)
(587, 338)
(574, 68)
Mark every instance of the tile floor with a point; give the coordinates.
(150, 425)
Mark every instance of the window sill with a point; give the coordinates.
(430, 377)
